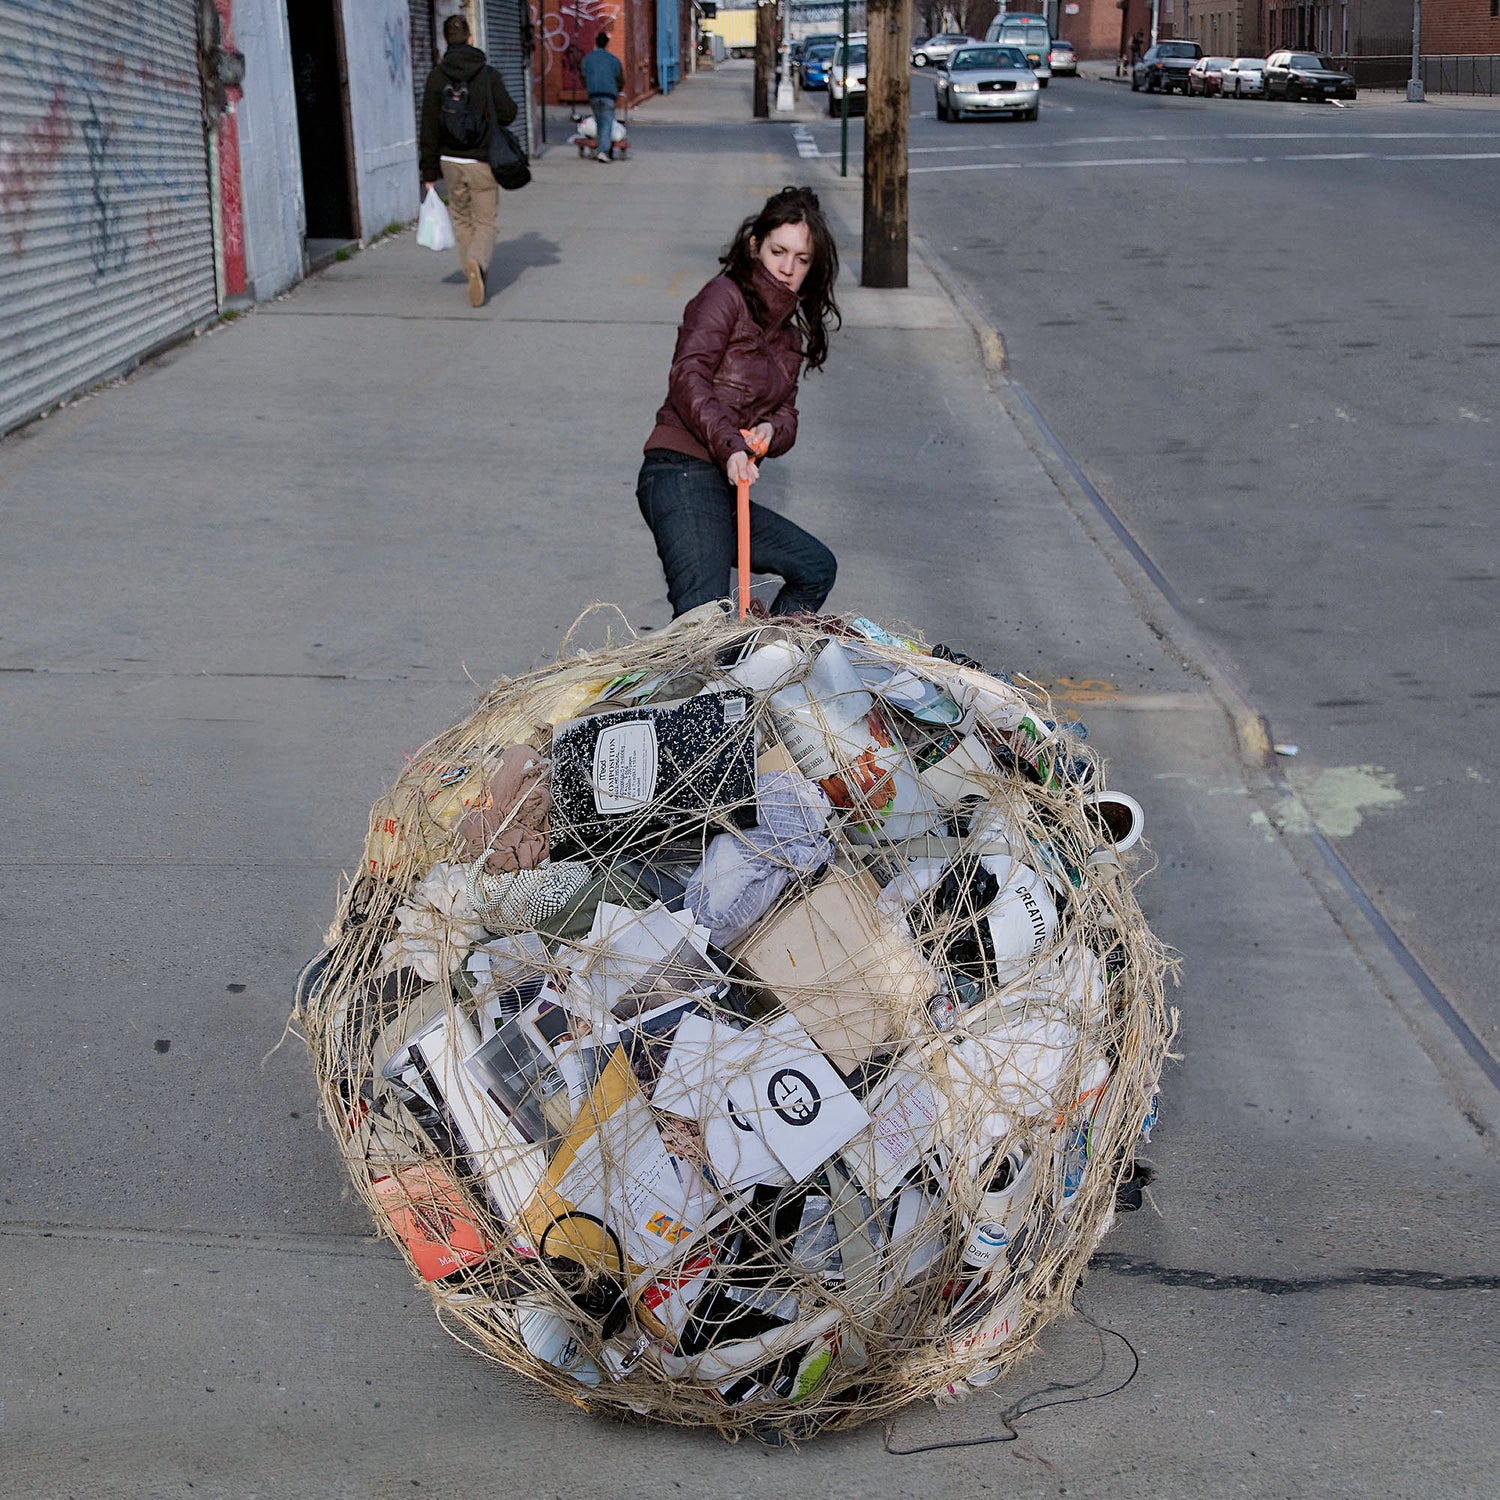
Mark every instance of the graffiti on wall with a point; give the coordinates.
(567, 36)
(398, 47)
(107, 248)
(94, 139)
(26, 164)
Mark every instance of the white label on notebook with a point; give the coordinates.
(625, 763)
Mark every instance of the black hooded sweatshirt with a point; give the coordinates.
(461, 64)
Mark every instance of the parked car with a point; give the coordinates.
(846, 74)
(816, 57)
(1245, 77)
(815, 39)
(1206, 76)
(1062, 59)
(938, 48)
(1305, 75)
(986, 80)
(1165, 67)
(1031, 34)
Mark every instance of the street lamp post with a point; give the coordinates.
(786, 98)
(843, 53)
(1415, 93)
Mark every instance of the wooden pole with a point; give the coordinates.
(887, 110)
(765, 58)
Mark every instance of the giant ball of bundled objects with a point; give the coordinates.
(749, 1025)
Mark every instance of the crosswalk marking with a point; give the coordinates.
(807, 145)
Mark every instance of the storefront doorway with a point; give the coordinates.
(321, 83)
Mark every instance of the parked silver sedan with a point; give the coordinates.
(986, 80)
(1245, 77)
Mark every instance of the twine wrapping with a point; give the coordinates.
(797, 1082)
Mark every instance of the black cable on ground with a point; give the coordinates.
(1029, 1403)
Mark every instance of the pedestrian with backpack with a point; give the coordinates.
(464, 102)
(604, 79)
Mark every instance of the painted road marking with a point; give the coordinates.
(971, 166)
(1289, 137)
(1449, 156)
(1054, 164)
(807, 145)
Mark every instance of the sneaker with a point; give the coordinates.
(601, 156)
(476, 283)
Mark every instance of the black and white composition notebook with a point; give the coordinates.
(635, 779)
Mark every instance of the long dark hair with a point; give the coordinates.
(817, 312)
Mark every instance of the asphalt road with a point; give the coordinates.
(1270, 334)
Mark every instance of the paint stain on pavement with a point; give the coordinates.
(1334, 800)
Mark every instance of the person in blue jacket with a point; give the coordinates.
(604, 79)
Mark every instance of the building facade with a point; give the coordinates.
(163, 159)
(1101, 29)
(1461, 27)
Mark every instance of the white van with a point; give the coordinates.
(1031, 34)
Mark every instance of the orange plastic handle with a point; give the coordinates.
(742, 506)
(758, 446)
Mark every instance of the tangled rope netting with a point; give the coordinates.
(747, 1026)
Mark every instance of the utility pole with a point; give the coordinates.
(765, 57)
(887, 115)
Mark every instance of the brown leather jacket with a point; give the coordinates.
(729, 373)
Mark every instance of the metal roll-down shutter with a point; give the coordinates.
(106, 234)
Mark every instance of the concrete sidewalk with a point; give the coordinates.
(242, 583)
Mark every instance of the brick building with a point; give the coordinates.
(1461, 26)
(1101, 29)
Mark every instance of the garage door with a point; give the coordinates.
(106, 235)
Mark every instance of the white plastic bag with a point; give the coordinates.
(434, 227)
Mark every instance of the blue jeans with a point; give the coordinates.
(603, 106)
(689, 505)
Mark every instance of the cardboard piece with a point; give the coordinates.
(664, 1303)
(847, 977)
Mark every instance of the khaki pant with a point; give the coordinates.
(473, 196)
